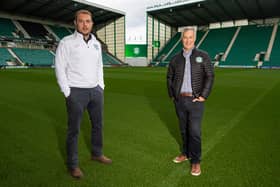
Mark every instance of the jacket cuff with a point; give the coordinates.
(66, 91)
(101, 85)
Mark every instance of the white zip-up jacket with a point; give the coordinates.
(78, 64)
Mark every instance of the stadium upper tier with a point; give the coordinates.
(36, 31)
(6, 27)
(60, 31)
(250, 41)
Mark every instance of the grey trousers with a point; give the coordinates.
(190, 116)
(79, 100)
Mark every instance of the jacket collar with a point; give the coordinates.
(194, 50)
(192, 60)
(81, 37)
(187, 53)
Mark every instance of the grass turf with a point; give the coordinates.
(241, 145)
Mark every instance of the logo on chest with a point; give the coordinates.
(198, 59)
(96, 46)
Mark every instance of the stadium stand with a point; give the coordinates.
(247, 45)
(71, 30)
(7, 27)
(4, 56)
(109, 59)
(238, 33)
(251, 40)
(217, 41)
(35, 30)
(275, 54)
(179, 45)
(35, 57)
(32, 34)
(174, 47)
(60, 31)
(162, 53)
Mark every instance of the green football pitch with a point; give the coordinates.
(240, 131)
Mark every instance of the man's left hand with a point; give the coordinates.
(199, 99)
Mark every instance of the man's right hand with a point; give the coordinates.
(67, 93)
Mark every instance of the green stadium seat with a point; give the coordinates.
(168, 46)
(217, 41)
(36, 57)
(60, 31)
(275, 53)
(251, 40)
(7, 27)
(72, 30)
(178, 47)
(4, 56)
(109, 59)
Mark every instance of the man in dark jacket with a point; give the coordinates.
(190, 78)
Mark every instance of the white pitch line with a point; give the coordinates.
(227, 127)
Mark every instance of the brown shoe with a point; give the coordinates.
(76, 173)
(196, 170)
(103, 159)
(180, 158)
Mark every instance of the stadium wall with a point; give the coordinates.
(158, 34)
(113, 34)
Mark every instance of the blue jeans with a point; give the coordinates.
(79, 100)
(190, 116)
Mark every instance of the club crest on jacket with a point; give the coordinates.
(198, 59)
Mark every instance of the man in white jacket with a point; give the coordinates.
(79, 72)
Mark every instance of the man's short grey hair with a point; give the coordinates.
(189, 28)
